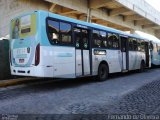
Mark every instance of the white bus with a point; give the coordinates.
(44, 44)
(155, 52)
(154, 48)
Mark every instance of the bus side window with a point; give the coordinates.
(77, 37)
(103, 36)
(96, 38)
(131, 44)
(110, 40)
(53, 31)
(135, 45)
(157, 47)
(139, 45)
(113, 41)
(85, 39)
(66, 33)
(143, 46)
(151, 46)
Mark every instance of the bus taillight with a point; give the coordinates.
(37, 55)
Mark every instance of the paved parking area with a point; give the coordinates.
(131, 93)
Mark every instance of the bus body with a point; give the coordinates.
(155, 52)
(44, 44)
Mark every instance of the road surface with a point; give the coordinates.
(129, 93)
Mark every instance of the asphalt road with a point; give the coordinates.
(131, 93)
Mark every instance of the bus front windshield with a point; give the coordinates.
(23, 27)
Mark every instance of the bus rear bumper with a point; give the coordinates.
(35, 71)
(39, 71)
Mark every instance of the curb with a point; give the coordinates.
(13, 82)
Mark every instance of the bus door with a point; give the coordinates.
(81, 37)
(147, 54)
(125, 53)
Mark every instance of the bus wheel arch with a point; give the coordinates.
(103, 71)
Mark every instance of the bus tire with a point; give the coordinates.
(103, 72)
(142, 67)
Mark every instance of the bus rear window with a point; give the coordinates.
(26, 30)
(23, 27)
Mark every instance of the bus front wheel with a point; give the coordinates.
(103, 72)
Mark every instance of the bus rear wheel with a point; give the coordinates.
(103, 72)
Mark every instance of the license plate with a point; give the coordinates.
(21, 60)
